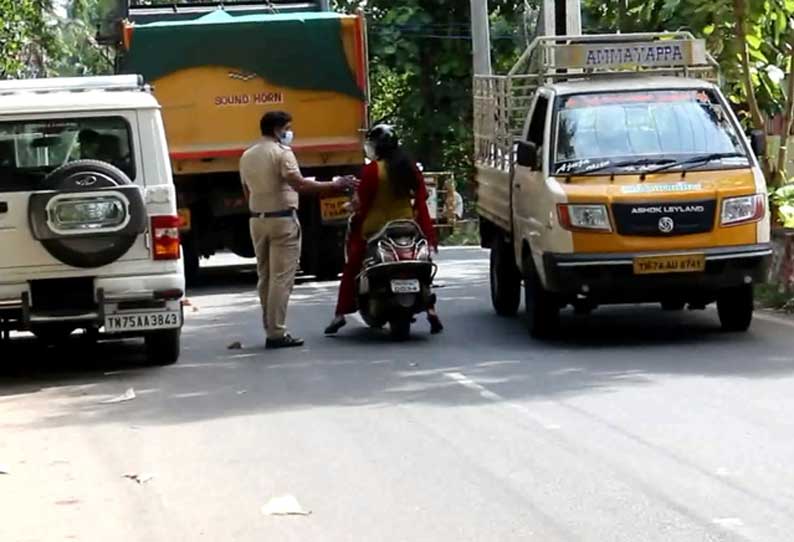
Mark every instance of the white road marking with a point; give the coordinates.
(485, 393)
(728, 523)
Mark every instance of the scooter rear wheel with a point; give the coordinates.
(400, 328)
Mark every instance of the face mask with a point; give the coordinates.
(287, 137)
(369, 151)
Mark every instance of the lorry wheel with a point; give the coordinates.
(543, 310)
(505, 280)
(163, 347)
(331, 270)
(330, 256)
(673, 305)
(190, 256)
(735, 308)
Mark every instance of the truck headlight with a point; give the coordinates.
(743, 209)
(584, 217)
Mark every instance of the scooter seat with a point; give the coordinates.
(398, 228)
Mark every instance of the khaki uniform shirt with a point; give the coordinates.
(264, 169)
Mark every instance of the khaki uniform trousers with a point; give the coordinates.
(277, 243)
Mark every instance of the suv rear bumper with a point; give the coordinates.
(120, 296)
(611, 278)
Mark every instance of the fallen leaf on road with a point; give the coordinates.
(414, 364)
(195, 309)
(237, 345)
(186, 302)
(284, 506)
(139, 478)
(128, 395)
(242, 392)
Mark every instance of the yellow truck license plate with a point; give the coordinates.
(333, 208)
(689, 263)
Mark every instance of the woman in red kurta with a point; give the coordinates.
(392, 188)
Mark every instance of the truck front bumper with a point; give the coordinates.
(610, 278)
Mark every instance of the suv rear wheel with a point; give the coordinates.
(163, 347)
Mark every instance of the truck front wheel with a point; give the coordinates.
(505, 280)
(735, 308)
(190, 255)
(543, 309)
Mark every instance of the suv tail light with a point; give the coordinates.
(165, 237)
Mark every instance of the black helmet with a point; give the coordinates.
(382, 139)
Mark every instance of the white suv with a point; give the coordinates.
(88, 217)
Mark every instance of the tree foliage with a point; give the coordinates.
(25, 38)
(40, 38)
(421, 70)
(752, 39)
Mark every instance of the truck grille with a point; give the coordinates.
(664, 218)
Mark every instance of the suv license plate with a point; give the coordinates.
(405, 286)
(142, 321)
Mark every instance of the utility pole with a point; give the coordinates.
(481, 37)
(623, 16)
(560, 18)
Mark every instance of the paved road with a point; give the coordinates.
(642, 426)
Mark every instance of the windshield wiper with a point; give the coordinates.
(705, 158)
(623, 164)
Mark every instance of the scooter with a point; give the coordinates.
(396, 279)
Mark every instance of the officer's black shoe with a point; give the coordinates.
(287, 341)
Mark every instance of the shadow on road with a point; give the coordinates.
(615, 348)
(27, 365)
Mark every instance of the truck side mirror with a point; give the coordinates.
(758, 142)
(528, 155)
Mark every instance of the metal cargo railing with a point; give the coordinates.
(502, 102)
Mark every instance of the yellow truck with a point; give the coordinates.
(611, 169)
(215, 69)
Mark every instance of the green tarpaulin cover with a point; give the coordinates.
(298, 50)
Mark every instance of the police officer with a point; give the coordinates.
(271, 182)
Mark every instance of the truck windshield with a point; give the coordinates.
(627, 131)
(30, 149)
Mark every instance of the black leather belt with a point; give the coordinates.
(275, 214)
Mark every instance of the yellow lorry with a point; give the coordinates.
(611, 169)
(215, 69)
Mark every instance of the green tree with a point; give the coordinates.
(75, 35)
(752, 39)
(37, 40)
(421, 71)
(25, 38)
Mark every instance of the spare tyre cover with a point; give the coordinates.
(89, 215)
